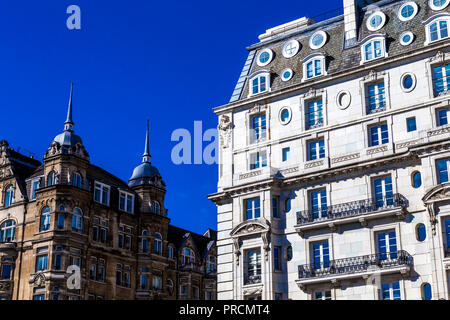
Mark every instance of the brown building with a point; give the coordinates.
(71, 230)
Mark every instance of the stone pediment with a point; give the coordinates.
(438, 193)
(251, 227)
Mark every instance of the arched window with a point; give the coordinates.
(77, 220)
(314, 67)
(259, 83)
(421, 232)
(45, 219)
(287, 204)
(8, 231)
(426, 292)
(211, 264)
(170, 252)
(416, 179)
(51, 179)
(437, 29)
(62, 208)
(188, 256)
(373, 49)
(77, 180)
(157, 244)
(144, 241)
(156, 208)
(9, 196)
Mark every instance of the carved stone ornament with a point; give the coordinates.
(312, 93)
(439, 57)
(373, 75)
(435, 195)
(224, 129)
(38, 280)
(253, 291)
(258, 108)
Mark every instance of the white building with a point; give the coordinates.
(334, 153)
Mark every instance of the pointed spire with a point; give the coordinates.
(146, 156)
(68, 125)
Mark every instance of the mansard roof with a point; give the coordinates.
(179, 236)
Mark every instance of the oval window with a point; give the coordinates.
(426, 291)
(286, 74)
(407, 11)
(265, 57)
(416, 180)
(317, 40)
(438, 4)
(376, 21)
(421, 232)
(408, 82)
(406, 38)
(285, 115)
(291, 48)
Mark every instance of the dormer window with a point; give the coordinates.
(438, 4)
(437, 29)
(264, 57)
(374, 48)
(126, 202)
(314, 67)
(101, 193)
(318, 40)
(376, 21)
(260, 83)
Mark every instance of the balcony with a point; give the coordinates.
(191, 267)
(356, 211)
(253, 279)
(354, 267)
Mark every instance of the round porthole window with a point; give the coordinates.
(265, 57)
(290, 48)
(406, 38)
(286, 74)
(438, 4)
(421, 232)
(407, 11)
(318, 40)
(285, 115)
(408, 82)
(416, 180)
(343, 99)
(376, 21)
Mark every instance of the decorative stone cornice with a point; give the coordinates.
(438, 131)
(377, 150)
(314, 164)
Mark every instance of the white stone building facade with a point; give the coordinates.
(334, 154)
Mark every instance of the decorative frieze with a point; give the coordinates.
(250, 174)
(377, 150)
(407, 144)
(289, 170)
(347, 157)
(314, 164)
(439, 131)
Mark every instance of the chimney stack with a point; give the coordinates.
(350, 23)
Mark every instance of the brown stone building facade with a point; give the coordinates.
(70, 230)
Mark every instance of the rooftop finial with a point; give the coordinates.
(68, 125)
(146, 156)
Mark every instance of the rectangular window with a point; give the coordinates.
(6, 271)
(314, 114)
(285, 154)
(58, 261)
(34, 187)
(316, 150)
(441, 79)
(103, 235)
(442, 118)
(275, 207)
(258, 128)
(126, 202)
(378, 135)
(157, 283)
(259, 84)
(447, 237)
(322, 295)
(387, 245)
(128, 242)
(258, 160)
(384, 195)
(277, 258)
(41, 263)
(120, 240)
(118, 277)
(101, 193)
(391, 291)
(60, 221)
(411, 124)
(75, 261)
(252, 209)
(321, 255)
(442, 170)
(318, 202)
(376, 98)
(253, 266)
(95, 236)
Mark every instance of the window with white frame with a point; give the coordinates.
(314, 114)
(126, 202)
(8, 231)
(264, 57)
(318, 40)
(441, 79)
(252, 266)
(258, 160)
(390, 291)
(101, 193)
(314, 67)
(374, 48)
(9, 196)
(378, 135)
(322, 295)
(260, 83)
(34, 187)
(157, 283)
(51, 178)
(376, 21)
(252, 209)
(316, 150)
(258, 129)
(290, 48)
(442, 166)
(437, 29)
(376, 97)
(438, 4)
(407, 11)
(44, 224)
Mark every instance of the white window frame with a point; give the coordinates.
(383, 21)
(410, 3)
(372, 41)
(265, 75)
(102, 186)
(436, 19)
(296, 49)
(406, 43)
(324, 36)
(402, 78)
(288, 109)
(263, 64)
(33, 189)
(283, 78)
(434, 8)
(313, 58)
(126, 195)
(259, 156)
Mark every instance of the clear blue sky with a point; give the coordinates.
(169, 61)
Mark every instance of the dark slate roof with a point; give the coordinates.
(338, 59)
(22, 167)
(178, 237)
(99, 174)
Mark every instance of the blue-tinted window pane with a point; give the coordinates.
(314, 114)
(376, 97)
(441, 79)
(285, 115)
(288, 204)
(411, 124)
(321, 255)
(442, 117)
(309, 70)
(286, 154)
(427, 294)
(396, 290)
(408, 82)
(443, 28)
(252, 208)
(319, 203)
(275, 209)
(442, 170)
(417, 180)
(447, 233)
(407, 11)
(421, 232)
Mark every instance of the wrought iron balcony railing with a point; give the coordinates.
(191, 267)
(351, 209)
(253, 279)
(355, 265)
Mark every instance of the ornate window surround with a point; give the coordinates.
(369, 79)
(258, 109)
(372, 39)
(310, 95)
(439, 58)
(437, 17)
